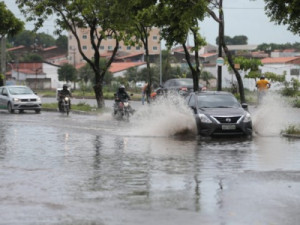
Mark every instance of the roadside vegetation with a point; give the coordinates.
(292, 130)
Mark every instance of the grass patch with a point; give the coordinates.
(292, 129)
(80, 106)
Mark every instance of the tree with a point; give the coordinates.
(284, 12)
(62, 42)
(67, 73)
(221, 22)
(236, 40)
(30, 38)
(101, 18)
(177, 19)
(141, 16)
(10, 25)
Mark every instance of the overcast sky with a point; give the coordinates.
(242, 17)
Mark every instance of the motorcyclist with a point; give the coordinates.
(121, 95)
(64, 93)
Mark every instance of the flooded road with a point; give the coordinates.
(92, 169)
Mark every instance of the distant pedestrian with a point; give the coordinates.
(262, 86)
(144, 92)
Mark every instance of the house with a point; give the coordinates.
(35, 75)
(282, 65)
(285, 53)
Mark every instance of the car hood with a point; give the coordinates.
(223, 111)
(24, 96)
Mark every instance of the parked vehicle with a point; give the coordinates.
(17, 97)
(219, 113)
(122, 109)
(181, 86)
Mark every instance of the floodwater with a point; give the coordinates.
(154, 169)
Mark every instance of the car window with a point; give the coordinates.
(19, 90)
(184, 82)
(217, 101)
(192, 101)
(4, 92)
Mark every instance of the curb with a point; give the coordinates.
(72, 111)
(291, 135)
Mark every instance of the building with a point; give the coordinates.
(107, 46)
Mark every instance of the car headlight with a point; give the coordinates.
(38, 99)
(16, 99)
(204, 118)
(247, 118)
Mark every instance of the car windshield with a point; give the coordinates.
(184, 82)
(217, 101)
(20, 90)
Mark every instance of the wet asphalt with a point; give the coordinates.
(92, 169)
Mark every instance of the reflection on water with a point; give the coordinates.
(65, 175)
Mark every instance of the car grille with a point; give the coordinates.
(29, 100)
(228, 119)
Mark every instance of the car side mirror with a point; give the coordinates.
(194, 109)
(244, 105)
(131, 94)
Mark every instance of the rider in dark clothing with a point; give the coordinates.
(63, 93)
(121, 95)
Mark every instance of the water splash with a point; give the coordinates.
(164, 117)
(273, 115)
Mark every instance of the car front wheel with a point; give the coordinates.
(10, 109)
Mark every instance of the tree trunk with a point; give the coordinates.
(195, 72)
(99, 95)
(236, 72)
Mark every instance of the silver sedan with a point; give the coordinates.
(19, 98)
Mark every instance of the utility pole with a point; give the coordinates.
(221, 39)
(3, 55)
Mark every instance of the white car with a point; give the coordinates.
(19, 98)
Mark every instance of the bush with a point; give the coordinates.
(292, 129)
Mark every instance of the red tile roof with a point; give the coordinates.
(281, 60)
(117, 67)
(15, 48)
(208, 54)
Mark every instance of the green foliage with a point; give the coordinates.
(248, 64)
(30, 38)
(292, 129)
(296, 103)
(31, 57)
(285, 13)
(10, 25)
(206, 76)
(62, 42)
(272, 46)
(291, 88)
(67, 73)
(236, 40)
(178, 18)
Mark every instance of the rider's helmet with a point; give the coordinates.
(65, 87)
(262, 77)
(122, 88)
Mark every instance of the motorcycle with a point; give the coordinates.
(64, 105)
(122, 109)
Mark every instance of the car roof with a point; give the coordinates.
(212, 93)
